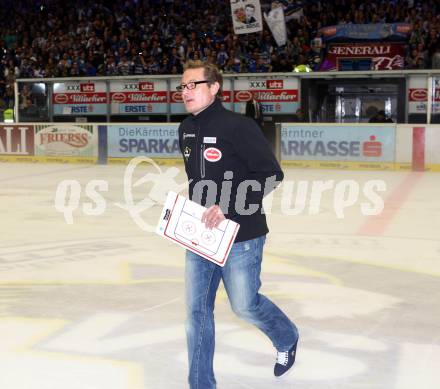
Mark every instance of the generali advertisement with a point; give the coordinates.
(80, 98)
(276, 95)
(66, 140)
(338, 143)
(418, 95)
(138, 97)
(384, 56)
(176, 101)
(16, 140)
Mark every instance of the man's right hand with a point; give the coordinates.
(212, 217)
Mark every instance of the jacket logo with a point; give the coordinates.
(186, 153)
(209, 139)
(185, 135)
(212, 154)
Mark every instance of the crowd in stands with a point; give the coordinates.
(54, 38)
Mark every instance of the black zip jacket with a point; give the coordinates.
(222, 149)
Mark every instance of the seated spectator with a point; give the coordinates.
(380, 117)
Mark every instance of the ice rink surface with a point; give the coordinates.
(99, 303)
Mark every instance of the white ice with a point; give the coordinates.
(99, 303)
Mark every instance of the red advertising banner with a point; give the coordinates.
(417, 94)
(227, 96)
(80, 98)
(176, 97)
(16, 140)
(289, 95)
(131, 97)
(421, 94)
(276, 95)
(384, 56)
(77, 97)
(139, 97)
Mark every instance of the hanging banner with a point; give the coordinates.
(382, 56)
(246, 16)
(277, 24)
(293, 11)
(372, 31)
(134, 97)
(79, 98)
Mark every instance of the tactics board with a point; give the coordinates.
(180, 222)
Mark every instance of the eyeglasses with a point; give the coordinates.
(190, 85)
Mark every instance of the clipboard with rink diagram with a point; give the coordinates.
(180, 222)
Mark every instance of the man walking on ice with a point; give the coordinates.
(226, 148)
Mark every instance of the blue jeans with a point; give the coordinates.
(241, 278)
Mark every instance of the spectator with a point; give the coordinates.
(253, 110)
(123, 67)
(26, 98)
(90, 69)
(436, 58)
(110, 66)
(380, 117)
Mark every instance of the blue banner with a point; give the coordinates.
(363, 143)
(375, 31)
(154, 140)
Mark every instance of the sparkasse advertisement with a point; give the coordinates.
(153, 140)
(357, 143)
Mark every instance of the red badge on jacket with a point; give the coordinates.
(212, 154)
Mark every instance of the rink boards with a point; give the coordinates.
(321, 146)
